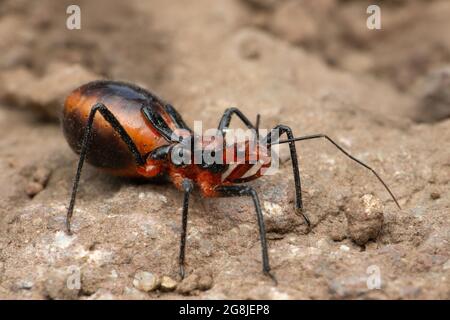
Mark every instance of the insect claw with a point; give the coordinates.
(182, 271)
(68, 230)
(299, 212)
(271, 276)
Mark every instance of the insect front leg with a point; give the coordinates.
(282, 129)
(112, 120)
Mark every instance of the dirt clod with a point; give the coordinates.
(39, 178)
(189, 284)
(58, 285)
(435, 195)
(364, 218)
(205, 282)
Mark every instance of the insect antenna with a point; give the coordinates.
(316, 136)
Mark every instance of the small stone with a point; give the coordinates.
(168, 284)
(344, 248)
(25, 284)
(146, 281)
(188, 284)
(364, 218)
(435, 195)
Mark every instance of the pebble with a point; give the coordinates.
(25, 284)
(168, 284)
(146, 281)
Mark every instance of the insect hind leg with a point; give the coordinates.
(112, 120)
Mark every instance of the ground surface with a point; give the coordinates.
(312, 65)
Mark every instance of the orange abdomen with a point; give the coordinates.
(107, 151)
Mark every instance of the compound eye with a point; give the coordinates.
(180, 156)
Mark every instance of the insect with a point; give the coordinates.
(137, 134)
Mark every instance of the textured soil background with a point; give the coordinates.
(312, 65)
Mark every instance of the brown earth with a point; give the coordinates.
(312, 65)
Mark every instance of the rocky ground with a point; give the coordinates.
(312, 65)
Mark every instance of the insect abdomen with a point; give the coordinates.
(107, 150)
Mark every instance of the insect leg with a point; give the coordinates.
(187, 186)
(243, 190)
(226, 119)
(111, 119)
(294, 160)
(316, 136)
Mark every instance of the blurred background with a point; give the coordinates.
(150, 41)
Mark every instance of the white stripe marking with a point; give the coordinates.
(253, 170)
(230, 169)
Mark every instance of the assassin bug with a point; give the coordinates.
(136, 135)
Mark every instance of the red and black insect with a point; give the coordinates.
(136, 135)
